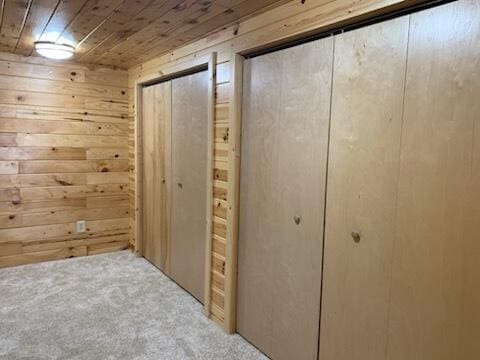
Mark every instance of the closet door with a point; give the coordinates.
(156, 115)
(435, 309)
(404, 174)
(284, 150)
(366, 122)
(189, 177)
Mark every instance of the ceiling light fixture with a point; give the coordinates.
(53, 50)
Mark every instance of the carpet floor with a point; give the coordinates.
(113, 306)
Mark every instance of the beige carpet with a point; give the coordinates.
(113, 306)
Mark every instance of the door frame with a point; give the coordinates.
(209, 63)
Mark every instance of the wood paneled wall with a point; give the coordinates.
(292, 20)
(63, 158)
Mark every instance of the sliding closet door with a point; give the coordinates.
(368, 85)
(189, 177)
(284, 150)
(435, 309)
(402, 247)
(156, 115)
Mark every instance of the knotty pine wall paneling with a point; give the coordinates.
(295, 19)
(63, 158)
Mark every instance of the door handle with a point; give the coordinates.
(355, 236)
(180, 185)
(297, 219)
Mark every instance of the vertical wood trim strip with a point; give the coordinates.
(212, 65)
(168, 176)
(138, 172)
(235, 118)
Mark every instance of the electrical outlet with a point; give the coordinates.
(81, 226)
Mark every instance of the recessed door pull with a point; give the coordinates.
(355, 236)
(180, 185)
(297, 219)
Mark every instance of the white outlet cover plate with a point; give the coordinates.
(81, 226)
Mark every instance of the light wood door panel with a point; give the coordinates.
(284, 151)
(367, 98)
(189, 177)
(156, 128)
(435, 309)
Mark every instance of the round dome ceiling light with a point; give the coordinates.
(53, 50)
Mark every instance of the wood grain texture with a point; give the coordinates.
(210, 278)
(231, 212)
(364, 155)
(283, 168)
(57, 153)
(189, 182)
(156, 127)
(436, 272)
(106, 31)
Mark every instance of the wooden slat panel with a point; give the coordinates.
(35, 257)
(63, 216)
(56, 157)
(76, 141)
(112, 26)
(140, 20)
(41, 71)
(8, 167)
(102, 154)
(63, 15)
(54, 127)
(194, 20)
(62, 179)
(20, 82)
(35, 246)
(71, 166)
(13, 17)
(47, 231)
(7, 206)
(56, 113)
(35, 153)
(45, 99)
(38, 17)
(89, 17)
(107, 201)
(72, 192)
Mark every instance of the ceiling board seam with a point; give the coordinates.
(154, 44)
(54, 10)
(141, 29)
(2, 8)
(22, 27)
(114, 12)
(115, 32)
(72, 20)
(171, 29)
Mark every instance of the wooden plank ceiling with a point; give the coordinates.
(118, 32)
